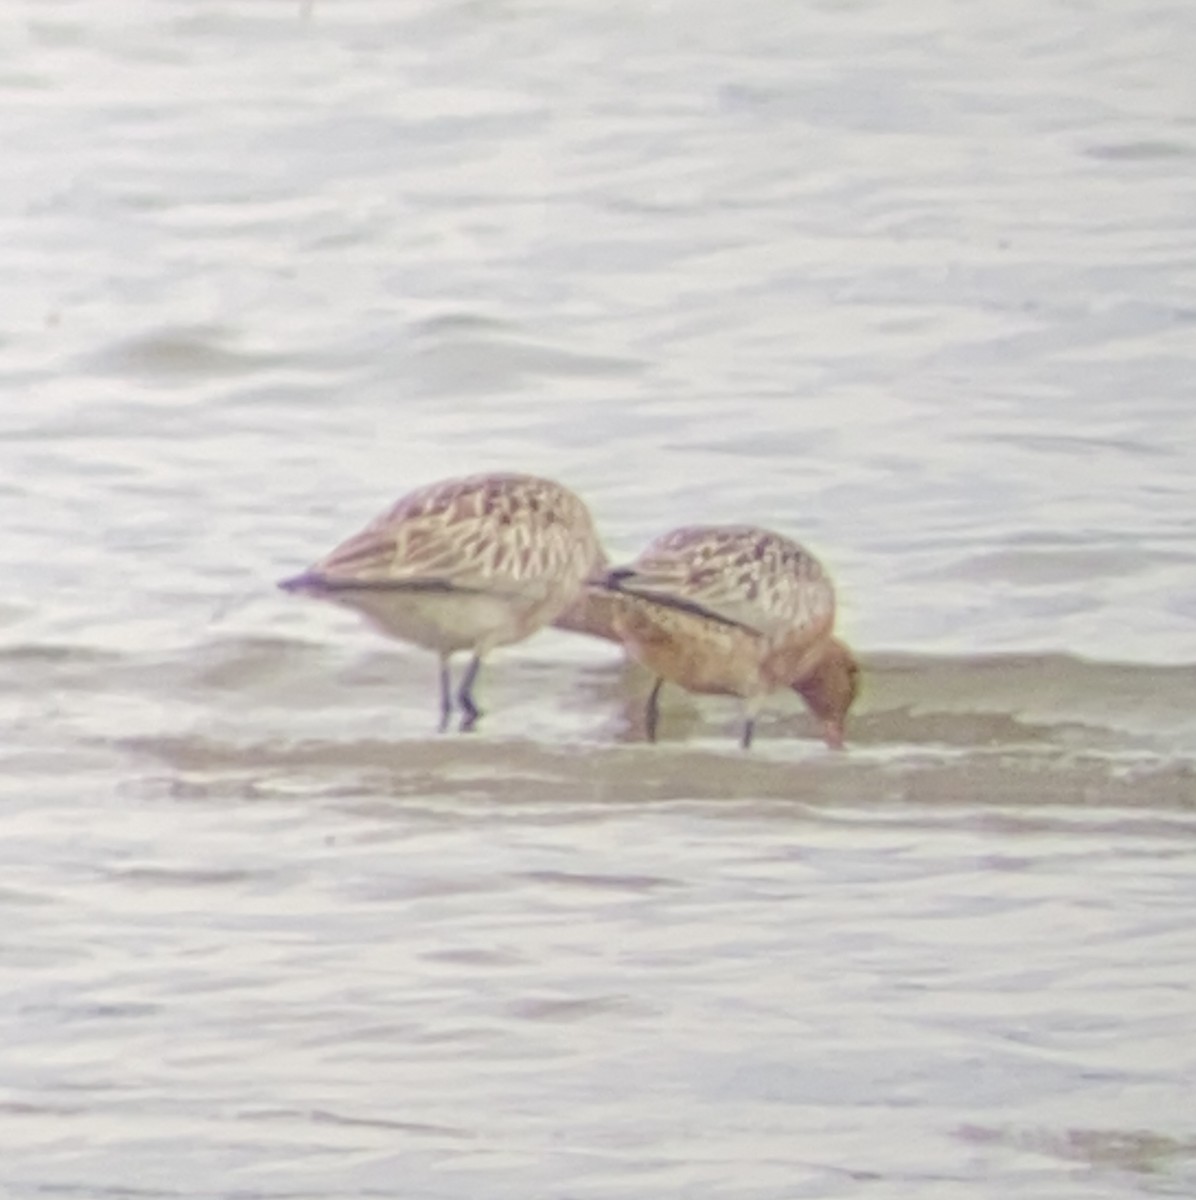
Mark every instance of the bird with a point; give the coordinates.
(727, 610)
(593, 609)
(466, 564)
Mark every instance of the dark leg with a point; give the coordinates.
(446, 693)
(749, 727)
(652, 711)
(469, 710)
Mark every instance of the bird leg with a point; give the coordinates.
(652, 710)
(749, 728)
(469, 710)
(446, 693)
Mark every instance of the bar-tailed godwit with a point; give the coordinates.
(464, 564)
(729, 610)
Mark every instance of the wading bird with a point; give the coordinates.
(727, 610)
(465, 564)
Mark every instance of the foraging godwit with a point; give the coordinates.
(729, 610)
(465, 564)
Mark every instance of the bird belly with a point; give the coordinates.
(443, 621)
(694, 652)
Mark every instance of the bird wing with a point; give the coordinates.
(738, 575)
(504, 538)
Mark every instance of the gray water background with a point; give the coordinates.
(915, 283)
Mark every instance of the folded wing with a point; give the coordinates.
(738, 575)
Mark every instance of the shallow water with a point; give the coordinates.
(915, 286)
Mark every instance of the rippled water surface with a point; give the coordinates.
(914, 283)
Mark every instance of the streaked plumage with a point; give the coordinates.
(464, 564)
(731, 610)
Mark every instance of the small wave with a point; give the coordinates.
(458, 778)
(990, 699)
(190, 352)
(233, 703)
